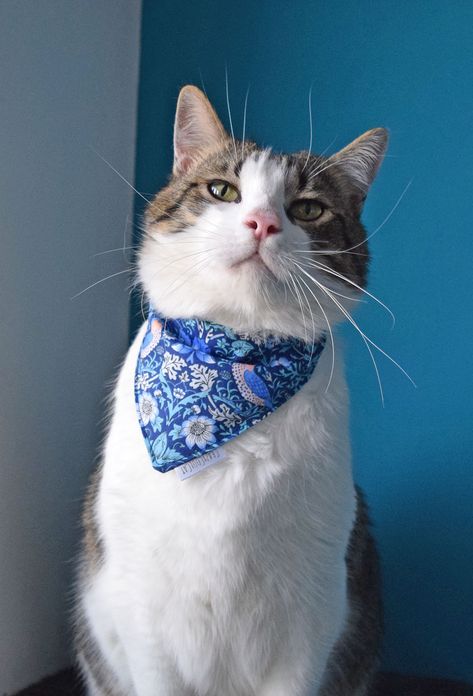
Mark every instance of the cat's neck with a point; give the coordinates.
(271, 322)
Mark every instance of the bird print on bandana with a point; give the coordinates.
(250, 386)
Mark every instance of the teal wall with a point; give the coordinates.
(406, 65)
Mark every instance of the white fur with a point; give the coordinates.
(233, 582)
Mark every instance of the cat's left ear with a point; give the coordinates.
(197, 129)
(361, 159)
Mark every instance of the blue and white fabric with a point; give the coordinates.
(199, 384)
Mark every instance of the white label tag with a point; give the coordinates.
(195, 466)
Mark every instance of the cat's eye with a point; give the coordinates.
(224, 191)
(306, 210)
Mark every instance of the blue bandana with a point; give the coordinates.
(199, 384)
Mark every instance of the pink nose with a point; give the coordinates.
(263, 223)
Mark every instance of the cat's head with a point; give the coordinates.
(253, 239)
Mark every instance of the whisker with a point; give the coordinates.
(118, 173)
(286, 285)
(326, 149)
(229, 111)
(365, 341)
(110, 251)
(388, 216)
(309, 308)
(102, 280)
(297, 296)
(352, 321)
(328, 252)
(311, 129)
(313, 174)
(244, 121)
(339, 294)
(125, 228)
(332, 340)
(304, 295)
(366, 338)
(326, 269)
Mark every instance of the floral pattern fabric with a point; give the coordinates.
(199, 384)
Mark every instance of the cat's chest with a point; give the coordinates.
(285, 479)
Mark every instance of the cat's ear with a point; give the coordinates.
(197, 129)
(361, 159)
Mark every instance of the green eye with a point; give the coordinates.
(224, 191)
(306, 210)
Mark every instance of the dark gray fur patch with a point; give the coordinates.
(338, 238)
(355, 658)
(87, 652)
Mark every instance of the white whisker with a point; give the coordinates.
(332, 340)
(339, 294)
(313, 174)
(366, 338)
(297, 296)
(309, 308)
(388, 216)
(229, 112)
(118, 174)
(328, 146)
(352, 321)
(327, 252)
(244, 120)
(311, 129)
(102, 280)
(326, 269)
(110, 251)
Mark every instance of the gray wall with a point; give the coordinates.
(68, 83)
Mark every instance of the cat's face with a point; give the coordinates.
(257, 240)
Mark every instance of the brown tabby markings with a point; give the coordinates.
(179, 205)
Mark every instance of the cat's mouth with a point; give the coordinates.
(254, 258)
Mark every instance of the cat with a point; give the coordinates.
(258, 576)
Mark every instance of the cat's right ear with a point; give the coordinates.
(197, 129)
